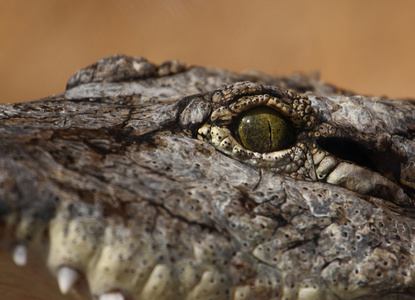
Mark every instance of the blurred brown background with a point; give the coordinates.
(363, 45)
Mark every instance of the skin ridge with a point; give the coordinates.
(110, 179)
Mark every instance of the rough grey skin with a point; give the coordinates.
(134, 181)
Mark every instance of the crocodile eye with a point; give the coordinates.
(263, 129)
(259, 125)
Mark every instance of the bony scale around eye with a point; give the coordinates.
(263, 129)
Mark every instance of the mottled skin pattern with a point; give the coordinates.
(123, 179)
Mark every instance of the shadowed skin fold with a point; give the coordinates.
(134, 184)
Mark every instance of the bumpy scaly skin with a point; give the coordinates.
(120, 180)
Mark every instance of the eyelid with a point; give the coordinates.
(222, 139)
(294, 112)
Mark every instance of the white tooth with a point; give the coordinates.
(66, 279)
(111, 296)
(20, 255)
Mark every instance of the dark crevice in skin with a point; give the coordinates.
(247, 201)
(250, 204)
(203, 226)
(129, 116)
(347, 149)
(122, 137)
(408, 134)
(411, 132)
(386, 163)
(259, 180)
(4, 209)
(297, 244)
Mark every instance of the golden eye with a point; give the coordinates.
(263, 129)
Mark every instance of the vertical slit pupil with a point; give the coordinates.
(263, 129)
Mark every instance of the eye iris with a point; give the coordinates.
(263, 129)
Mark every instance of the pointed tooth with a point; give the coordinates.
(67, 277)
(20, 255)
(112, 296)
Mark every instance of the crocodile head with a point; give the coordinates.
(157, 182)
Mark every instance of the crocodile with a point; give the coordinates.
(145, 181)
